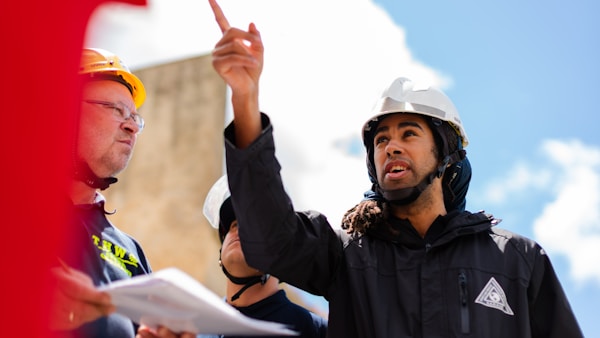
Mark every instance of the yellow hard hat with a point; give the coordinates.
(99, 61)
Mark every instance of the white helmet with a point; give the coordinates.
(403, 96)
(214, 200)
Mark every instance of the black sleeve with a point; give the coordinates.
(299, 248)
(550, 312)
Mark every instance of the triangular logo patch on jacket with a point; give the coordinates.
(493, 296)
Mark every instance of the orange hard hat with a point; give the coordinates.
(99, 61)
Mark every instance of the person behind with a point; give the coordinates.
(419, 270)
(98, 253)
(255, 294)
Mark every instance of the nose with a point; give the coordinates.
(393, 148)
(130, 126)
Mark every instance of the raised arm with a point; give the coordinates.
(238, 59)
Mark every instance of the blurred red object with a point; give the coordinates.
(41, 45)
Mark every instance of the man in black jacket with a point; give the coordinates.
(417, 268)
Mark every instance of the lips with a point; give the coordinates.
(127, 141)
(396, 169)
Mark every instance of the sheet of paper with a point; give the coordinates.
(172, 298)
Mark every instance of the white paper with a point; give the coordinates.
(172, 298)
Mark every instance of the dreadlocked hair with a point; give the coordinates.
(366, 214)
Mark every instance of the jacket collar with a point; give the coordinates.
(442, 230)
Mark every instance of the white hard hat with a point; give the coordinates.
(403, 96)
(214, 199)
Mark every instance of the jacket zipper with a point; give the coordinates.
(464, 303)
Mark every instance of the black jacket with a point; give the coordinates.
(279, 309)
(464, 279)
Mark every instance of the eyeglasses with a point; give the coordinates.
(121, 112)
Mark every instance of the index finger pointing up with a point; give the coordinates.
(219, 16)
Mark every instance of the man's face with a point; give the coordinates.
(404, 151)
(232, 256)
(105, 143)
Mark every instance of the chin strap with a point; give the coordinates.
(84, 173)
(405, 196)
(245, 281)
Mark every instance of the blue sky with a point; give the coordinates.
(521, 73)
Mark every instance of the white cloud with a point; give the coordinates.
(570, 223)
(519, 178)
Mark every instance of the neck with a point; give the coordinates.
(253, 294)
(81, 193)
(424, 210)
